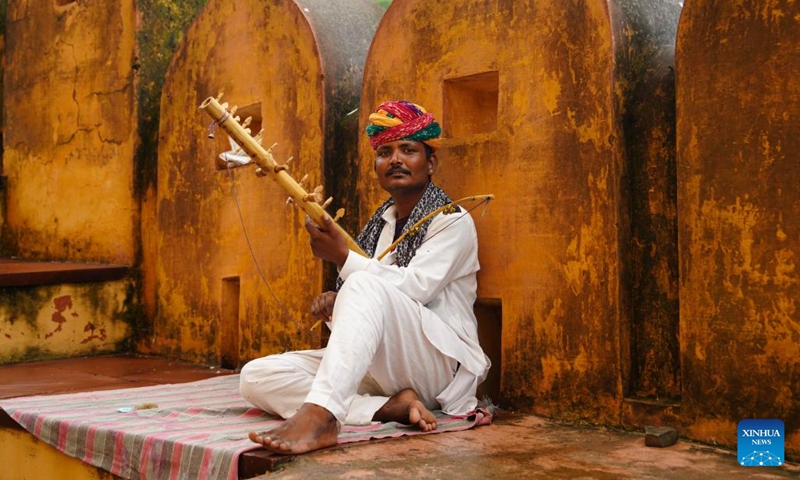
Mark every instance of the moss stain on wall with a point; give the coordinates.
(162, 25)
(58, 321)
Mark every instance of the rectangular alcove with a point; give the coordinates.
(470, 104)
(221, 137)
(229, 324)
(489, 312)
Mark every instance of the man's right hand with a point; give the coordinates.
(322, 307)
(327, 242)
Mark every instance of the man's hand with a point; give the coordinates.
(327, 242)
(322, 307)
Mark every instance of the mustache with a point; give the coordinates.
(394, 169)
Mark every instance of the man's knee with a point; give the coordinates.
(359, 279)
(260, 372)
(365, 284)
(276, 384)
(249, 378)
(249, 371)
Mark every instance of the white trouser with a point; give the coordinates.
(376, 349)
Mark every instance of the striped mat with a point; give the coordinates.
(193, 430)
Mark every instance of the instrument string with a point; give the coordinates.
(263, 277)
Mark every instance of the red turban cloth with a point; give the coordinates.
(401, 120)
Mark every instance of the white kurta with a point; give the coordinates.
(392, 328)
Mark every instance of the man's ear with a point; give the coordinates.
(433, 163)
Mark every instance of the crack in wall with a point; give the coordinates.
(98, 123)
(60, 140)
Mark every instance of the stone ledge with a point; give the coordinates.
(16, 272)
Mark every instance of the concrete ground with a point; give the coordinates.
(514, 446)
(524, 446)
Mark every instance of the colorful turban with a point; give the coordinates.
(402, 120)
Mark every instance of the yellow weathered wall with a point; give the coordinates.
(69, 131)
(24, 457)
(549, 242)
(256, 52)
(738, 99)
(46, 322)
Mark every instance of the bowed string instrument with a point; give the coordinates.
(246, 149)
(250, 151)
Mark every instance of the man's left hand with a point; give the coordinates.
(327, 242)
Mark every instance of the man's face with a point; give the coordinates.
(401, 166)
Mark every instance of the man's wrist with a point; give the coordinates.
(353, 263)
(342, 259)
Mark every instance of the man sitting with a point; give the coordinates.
(404, 335)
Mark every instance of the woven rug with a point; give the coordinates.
(193, 430)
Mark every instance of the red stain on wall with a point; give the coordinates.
(95, 333)
(61, 304)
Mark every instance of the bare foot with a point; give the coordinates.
(311, 428)
(405, 407)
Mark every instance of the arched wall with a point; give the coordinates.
(210, 301)
(531, 97)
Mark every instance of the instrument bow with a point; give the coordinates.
(446, 209)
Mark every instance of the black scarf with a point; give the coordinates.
(433, 198)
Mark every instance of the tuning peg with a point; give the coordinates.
(315, 196)
(233, 109)
(261, 173)
(285, 166)
(327, 202)
(247, 121)
(318, 194)
(224, 106)
(219, 96)
(272, 146)
(339, 215)
(303, 180)
(259, 137)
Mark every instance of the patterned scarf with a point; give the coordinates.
(433, 198)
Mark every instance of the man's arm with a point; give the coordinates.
(450, 251)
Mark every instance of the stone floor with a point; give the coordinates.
(514, 446)
(524, 446)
